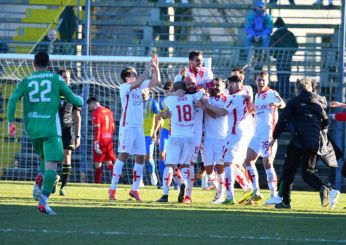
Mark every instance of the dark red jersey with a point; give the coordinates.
(103, 125)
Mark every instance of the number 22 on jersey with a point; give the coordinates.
(35, 84)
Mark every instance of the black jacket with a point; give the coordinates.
(282, 38)
(306, 115)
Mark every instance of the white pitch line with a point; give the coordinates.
(177, 235)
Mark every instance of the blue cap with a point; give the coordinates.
(260, 4)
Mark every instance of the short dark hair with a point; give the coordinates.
(178, 85)
(62, 70)
(239, 69)
(92, 99)
(41, 59)
(233, 79)
(126, 72)
(195, 53)
(168, 85)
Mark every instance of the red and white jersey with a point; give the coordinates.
(239, 116)
(132, 105)
(183, 114)
(204, 77)
(265, 117)
(216, 128)
(247, 89)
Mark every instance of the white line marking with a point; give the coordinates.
(177, 235)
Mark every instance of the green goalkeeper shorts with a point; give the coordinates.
(49, 148)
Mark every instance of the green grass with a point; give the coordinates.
(86, 216)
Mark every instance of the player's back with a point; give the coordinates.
(238, 113)
(41, 104)
(103, 118)
(183, 114)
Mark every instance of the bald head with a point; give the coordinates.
(190, 84)
(51, 35)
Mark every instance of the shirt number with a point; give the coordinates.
(36, 90)
(186, 113)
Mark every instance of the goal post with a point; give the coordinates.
(97, 76)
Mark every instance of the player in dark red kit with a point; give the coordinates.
(103, 137)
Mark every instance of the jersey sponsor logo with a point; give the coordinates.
(136, 96)
(35, 114)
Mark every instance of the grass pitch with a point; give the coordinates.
(86, 216)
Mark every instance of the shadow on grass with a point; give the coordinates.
(148, 221)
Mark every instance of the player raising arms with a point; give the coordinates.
(103, 152)
(41, 91)
(266, 103)
(235, 143)
(181, 140)
(131, 133)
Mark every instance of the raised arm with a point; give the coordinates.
(156, 76)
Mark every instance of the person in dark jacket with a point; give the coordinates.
(283, 38)
(308, 119)
(49, 44)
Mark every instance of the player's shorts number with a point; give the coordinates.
(36, 90)
(186, 113)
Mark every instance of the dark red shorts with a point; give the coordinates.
(107, 154)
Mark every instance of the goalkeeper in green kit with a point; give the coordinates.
(41, 92)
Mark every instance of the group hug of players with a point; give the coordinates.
(235, 130)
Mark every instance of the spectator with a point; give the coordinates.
(49, 44)
(276, 1)
(283, 38)
(259, 26)
(320, 2)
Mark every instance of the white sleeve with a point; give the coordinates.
(276, 97)
(210, 75)
(198, 95)
(178, 78)
(167, 101)
(145, 84)
(250, 92)
(230, 104)
(124, 89)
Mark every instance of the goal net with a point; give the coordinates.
(97, 76)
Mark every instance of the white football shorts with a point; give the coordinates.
(132, 140)
(179, 150)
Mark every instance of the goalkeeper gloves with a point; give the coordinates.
(11, 129)
(97, 148)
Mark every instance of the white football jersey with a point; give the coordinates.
(183, 114)
(265, 117)
(216, 128)
(132, 105)
(239, 116)
(247, 89)
(204, 77)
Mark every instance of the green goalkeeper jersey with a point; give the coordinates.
(41, 92)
